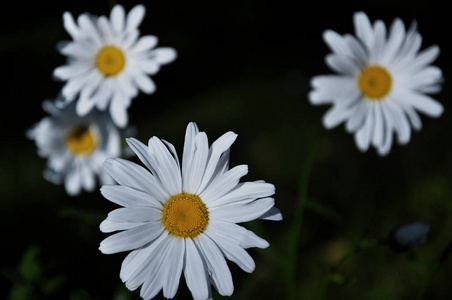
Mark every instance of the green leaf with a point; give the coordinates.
(29, 267)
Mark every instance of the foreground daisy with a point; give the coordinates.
(183, 217)
(108, 63)
(75, 146)
(381, 83)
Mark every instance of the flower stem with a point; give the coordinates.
(295, 230)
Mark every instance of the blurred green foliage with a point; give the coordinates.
(242, 67)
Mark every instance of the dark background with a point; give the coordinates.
(243, 67)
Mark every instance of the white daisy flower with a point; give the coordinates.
(75, 146)
(381, 83)
(107, 61)
(183, 217)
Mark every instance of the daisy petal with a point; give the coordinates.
(135, 17)
(221, 275)
(194, 271)
(131, 239)
(128, 197)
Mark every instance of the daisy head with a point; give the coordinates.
(381, 82)
(108, 62)
(183, 217)
(75, 147)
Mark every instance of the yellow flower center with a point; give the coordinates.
(185, 215)
(374, 82)
(110, 61)
(81, 141)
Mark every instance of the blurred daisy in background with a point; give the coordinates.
(381, 83)
(75, 146)
(108, 63)
(183, 217)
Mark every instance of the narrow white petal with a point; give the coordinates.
(135, 16)
(131, 239)
(72, 70)
(380, 42)
(335, 116)
(153, 283)
(129, 174)
(87, 177)
(237, 212)
(149, 66)
(424, 58)
(221, 145)
(189, 150)
(135, 266)
(342, 64)
(72, 181)
(135, 214)
(195, 171)
(86, 25)
(129, 197)
(336, 42)
(173, 151)
(145, 43)
(247, 238)
(245, 191)
(273, 214)
(105, 29)
(117, 18)
(395, 40)
(233, 252)
(164, 55)
(195, 271)
(328, 88)
(400, 122)
(166, 166)
(363, 29)
(144, 83)
(378, 134)
(69, 25)
(118, 110)
(389, 125)
(223, 183)
(143, 153)
(110, 226)
(212, 256)
(426, 105)
(357, 116)
(364, 135)
(174, 270)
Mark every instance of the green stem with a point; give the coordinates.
(295, 230)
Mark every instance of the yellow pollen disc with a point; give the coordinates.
(374, 82)
(110, 61)
(80, 141)
(185, 215)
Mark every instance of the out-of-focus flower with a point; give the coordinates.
(108, 63)
(75, 146)
(183, 217)
(381, 83)
(405, 237)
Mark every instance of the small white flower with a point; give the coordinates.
(75, 147)
(107, 61)
(183, 217)
(381, 83)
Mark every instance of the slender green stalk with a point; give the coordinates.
(295, 230)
